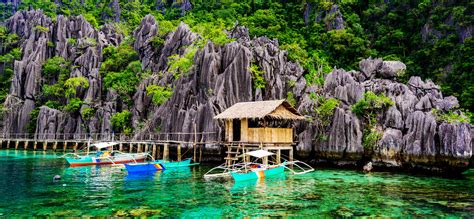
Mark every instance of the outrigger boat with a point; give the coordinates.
(157, 165)
(256, 170)
(105, 154)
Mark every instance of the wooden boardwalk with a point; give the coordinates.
(158, 145)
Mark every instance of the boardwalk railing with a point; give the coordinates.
(172, 136)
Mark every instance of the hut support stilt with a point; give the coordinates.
(165, 152)
(179, 152)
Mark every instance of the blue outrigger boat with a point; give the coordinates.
(157, 165)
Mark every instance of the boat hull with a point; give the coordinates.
(259, 174)
(92, 160)
(143, 167)
(157, 165)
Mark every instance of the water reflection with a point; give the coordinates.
(260, 185)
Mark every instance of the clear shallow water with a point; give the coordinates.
(27, 189)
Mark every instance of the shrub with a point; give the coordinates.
(54, 67)
(87, 113)
(290, 97)
(452, 116)
(179, 65)
(72, 84)
(257, 75)
(71, 41)
(124, 82)
(53, 104)
(371, 103)
(325, 110)
(41, 28)
(74, 105)
(121, 122)
(160, 94)
(370, 138)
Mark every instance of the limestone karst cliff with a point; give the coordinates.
(220, 76)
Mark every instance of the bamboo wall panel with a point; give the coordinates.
(270, 135)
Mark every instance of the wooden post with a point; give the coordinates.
(291, 154)
(146, 148)
(64, 146)
(179, 152)
(55, 146)
(1, 143)
(75, 146)
(34, 145)
(278, 156)
(121, 146)
(45, 145)
(200, 153)
(165, 152)
(153, 154)
(88, 146)
(194, 145)
(158, 152)
(8, 144)
(16, 144)
(130, 147)
(25, 146)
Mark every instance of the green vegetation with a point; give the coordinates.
(87, 113)
(370, 138)
(56, 67)
(121, 122)
(71, 41)
(9, 43)
(323, 113)
(121, 70)
(31, 126)
(74, 105)
(368, 107)
(41, 28)
(72, 84)
(159, 94)
(124, 82)
(257, 76)
(452, 116)
(290, 97)
(325, 110)
(370, 104)
(179, 65)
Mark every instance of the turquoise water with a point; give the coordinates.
(27, 189)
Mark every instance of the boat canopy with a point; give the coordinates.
(259, 153)
(101, 145)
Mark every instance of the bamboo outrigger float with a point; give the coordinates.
(105, 154)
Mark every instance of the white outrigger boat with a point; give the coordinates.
(105, 154)
(260, 168)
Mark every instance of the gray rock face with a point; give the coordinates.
(345, 135)
(411, 135)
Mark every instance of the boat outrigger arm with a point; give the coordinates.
(224, 171)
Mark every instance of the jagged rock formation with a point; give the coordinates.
(412, 137)
(221, 77)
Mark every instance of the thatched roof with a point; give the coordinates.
(275, 109)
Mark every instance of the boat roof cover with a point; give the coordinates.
(260, 153)
(101, 145)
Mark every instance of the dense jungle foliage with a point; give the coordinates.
(434, 38)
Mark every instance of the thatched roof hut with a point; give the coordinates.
(260, 122)
(274, 109)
